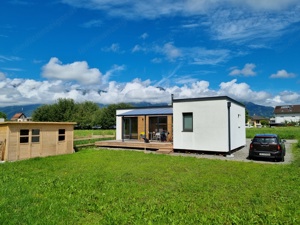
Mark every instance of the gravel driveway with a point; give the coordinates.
(242, 154)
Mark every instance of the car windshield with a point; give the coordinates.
(265, 140)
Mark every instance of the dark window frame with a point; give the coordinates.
(185, 116)
(24, 136)
(61, 135)
(35, 135)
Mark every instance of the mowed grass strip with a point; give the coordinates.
(130, 187)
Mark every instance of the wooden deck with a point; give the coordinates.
(162, 147)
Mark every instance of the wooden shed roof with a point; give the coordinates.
(38, 123)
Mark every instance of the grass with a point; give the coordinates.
(130, 187)
(89, 133)
(284, 132)
(81, 134)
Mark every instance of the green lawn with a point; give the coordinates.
(284, 132)
(130, 187)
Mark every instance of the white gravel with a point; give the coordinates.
(242, 154)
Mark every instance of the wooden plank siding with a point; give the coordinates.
(47, 143)
(141, 127)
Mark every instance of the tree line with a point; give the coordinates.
(86, 114)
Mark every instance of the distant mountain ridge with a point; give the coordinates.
(259, 110)
(253, 109)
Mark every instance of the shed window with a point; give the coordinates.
(61, 134)
(187, 121)
(24, 136)
(35, 135)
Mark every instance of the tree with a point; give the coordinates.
(64, 110)
(246, 116)
(3, 115)
(44, 113)
(61, 111)
(86, 114)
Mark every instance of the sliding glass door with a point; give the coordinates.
(130, 125)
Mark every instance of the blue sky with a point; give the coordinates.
(111, 51)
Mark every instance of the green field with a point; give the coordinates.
(89, 133)
(284, 132)
(130, 187)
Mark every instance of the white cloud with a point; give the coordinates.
(157, 8)
(243, 92)
(170, 51)
(109, 73)
(203, 56)
(115, 47)
(190, 26)
(282, 74)
(247, 71)
(290, 97)
(156, 60)
(27, 91)
(92, 23)
(2, 76)
(284, 98)
(194, 55)
(144, 36)
(266, 4)
(77, 71)
(4, 58)
(139, 48)
(230, 20)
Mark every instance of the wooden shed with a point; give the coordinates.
(24, 140)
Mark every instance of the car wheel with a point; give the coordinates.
(282, 159)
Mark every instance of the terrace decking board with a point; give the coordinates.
(135, 144)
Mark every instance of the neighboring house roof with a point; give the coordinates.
(18, 116)
(148, 111)
(287, 109)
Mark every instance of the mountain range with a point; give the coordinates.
(253, 109)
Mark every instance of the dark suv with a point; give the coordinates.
(267, 146)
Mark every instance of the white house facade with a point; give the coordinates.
(208, 124)
(287, 113)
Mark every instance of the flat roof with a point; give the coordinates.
(208, 99)
(148, 111)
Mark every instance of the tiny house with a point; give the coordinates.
(24, 140)
(214, 124)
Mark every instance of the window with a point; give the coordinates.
(61, 134)
(35, 135)
(24, 136)
(187, 121)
